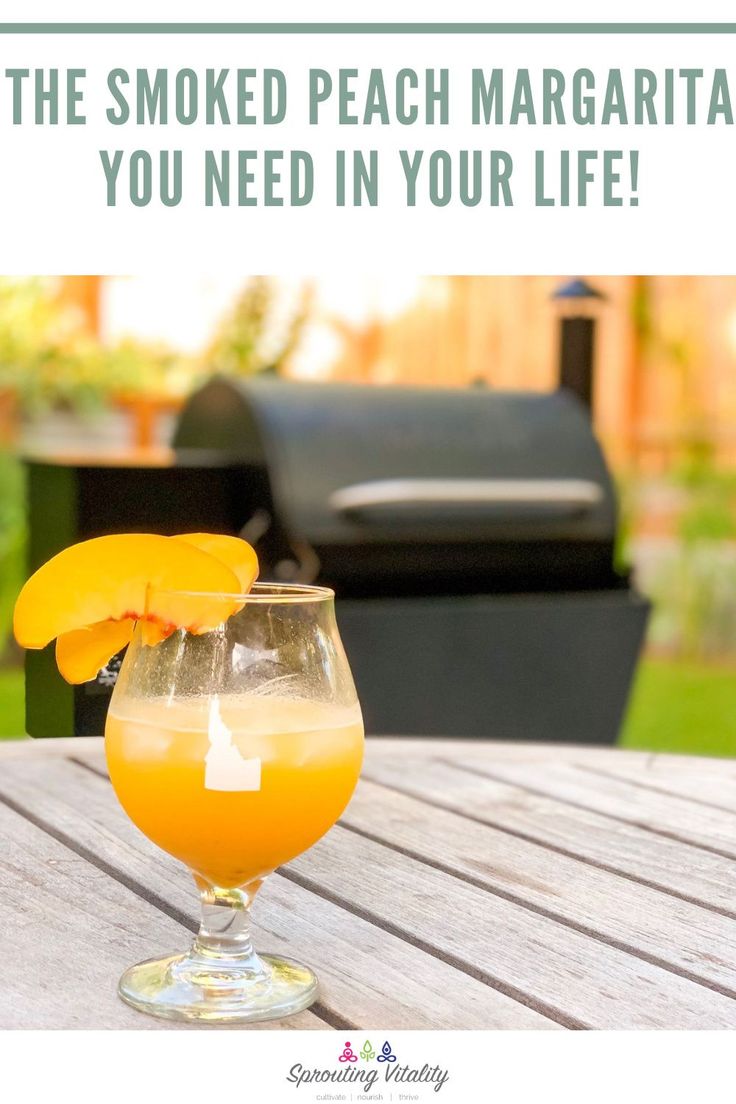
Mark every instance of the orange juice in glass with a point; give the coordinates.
(233, 786)
(234, 751)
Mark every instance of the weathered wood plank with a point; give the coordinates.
(691, 780)
(555, 967)
(25, 748)
(368, 976)
(678, 867)
(697, 942)
(676, 816)
(69, 932)
(508, 751)
(591, 982)
(405, 748)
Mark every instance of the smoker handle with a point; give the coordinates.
(559, 496)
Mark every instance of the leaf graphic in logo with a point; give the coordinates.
(386, 1055)
(367, 1053)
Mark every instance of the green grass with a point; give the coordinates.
(12, 709)
(683, 707)
(675, 706)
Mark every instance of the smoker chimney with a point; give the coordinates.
(577, 302)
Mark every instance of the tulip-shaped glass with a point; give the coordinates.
(234, 750)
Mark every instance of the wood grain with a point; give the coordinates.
(699, 943)
(563, 970)
(68, 934)
(676, 817)
(695, 781)
(419, 748)
(368, 976)
(473, 885)
(621, 847)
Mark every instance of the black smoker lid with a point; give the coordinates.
(352, 462)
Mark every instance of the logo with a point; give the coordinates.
(365, 1071)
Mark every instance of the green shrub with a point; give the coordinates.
(694, 585)
(12, 539)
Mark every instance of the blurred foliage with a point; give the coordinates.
(260, 332)
(702, 591)
(666, 339)
(710, 495)
(694, 595)
(694, 585)
(12, 539)
(50, 360)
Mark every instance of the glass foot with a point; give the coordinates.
(191, 987)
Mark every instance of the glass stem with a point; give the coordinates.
(224, 934)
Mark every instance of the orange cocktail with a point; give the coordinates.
(234, 746)
(237, 785)
(234, 737)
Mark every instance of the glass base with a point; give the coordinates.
(192, 987)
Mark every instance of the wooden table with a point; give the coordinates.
(469, 885)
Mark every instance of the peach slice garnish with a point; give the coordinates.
(239, 556)
(119, 579)
(82, 653)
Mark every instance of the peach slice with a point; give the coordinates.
(233, 551)
(122, 577)
(239, 556)
(82, 653)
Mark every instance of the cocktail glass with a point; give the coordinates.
(234, 750)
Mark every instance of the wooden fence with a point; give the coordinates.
(666, 351)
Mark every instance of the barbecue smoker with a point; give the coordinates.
(469, 536)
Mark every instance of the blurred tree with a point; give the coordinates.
(50, 357)
(257, 335)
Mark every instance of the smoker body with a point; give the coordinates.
(469, 536)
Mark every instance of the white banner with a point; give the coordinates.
(304, 1067)
(480, 151)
